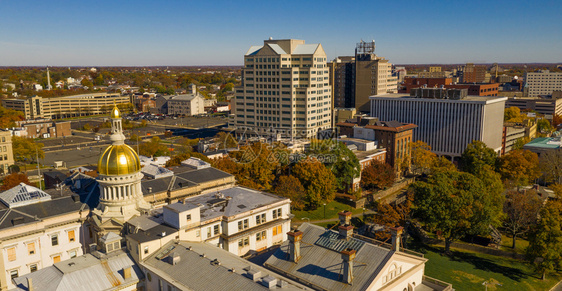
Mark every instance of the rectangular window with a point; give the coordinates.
(145, 250)
(188, 217)
(11, 254)
(72, 254)
(56, 259)
(54, 240)
(242, 224)
(32, 268)
(277, 230)
(198, 233)
(260, 236)
(244, 242)
(216, 229)
(71, 237)
(208, 232)
(260, 218)
(13, 274)
(31, 248)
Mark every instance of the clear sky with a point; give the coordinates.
(159, 32)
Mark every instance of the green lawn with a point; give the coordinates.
(468, 270)
(520, 244)
(332, 210)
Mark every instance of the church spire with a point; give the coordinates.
(117, 137)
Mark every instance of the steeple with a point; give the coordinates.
(49, 87)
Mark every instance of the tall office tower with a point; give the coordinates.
(373, 75)
(285, 89)
(342, 79)
(473, 74)
(542, 82)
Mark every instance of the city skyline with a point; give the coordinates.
(144, 33)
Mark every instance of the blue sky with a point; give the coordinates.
(145, 33)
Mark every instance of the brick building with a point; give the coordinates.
(46, 129)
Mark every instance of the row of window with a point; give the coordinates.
(31, 246)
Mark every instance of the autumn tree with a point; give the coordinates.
(455, 203)
(153, 147)
(291, 187)
(556, 120)
(377, 175)
(442, 164)
(14, 179)
(258, 163)
(551, 165)
(512, 114)
(521, 209)
(422, 157)
(520, 167)
(184, 145)
(26, 149)
(476, 155)
(545, 240)
(318, 181)
(520, 142)
(392, 215)
(225, 140)
(8, 117)
(543, 126)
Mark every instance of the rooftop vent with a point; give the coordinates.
(253, 274)
(215, 262)
(269, 282)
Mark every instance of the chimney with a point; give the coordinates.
(295, 238)
(346, 231)
(348, 255)
(396, 237)
(126, 273)
(29, 284)
(345, 217)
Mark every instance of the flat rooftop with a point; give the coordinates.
(469, 98)
(232, 201)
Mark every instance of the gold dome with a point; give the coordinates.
(115, 112)
(119, 160)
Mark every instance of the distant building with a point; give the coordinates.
(550, 106)
(486, 89)
(512, 132)
(434, 72)
(343, 114)
(6, 152)
(474, 73)
(188, 104)
(46, 129)
(542, 82)
(66, 106)
(541, 145)
(342, 80)
(447, 120)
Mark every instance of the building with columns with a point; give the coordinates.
(119, 183)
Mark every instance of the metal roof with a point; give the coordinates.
(253, 50)
(321, 263)
(305, 49)
(86, 273)
(277, 49)
(196, 270)
(23, 194)
(155, 171)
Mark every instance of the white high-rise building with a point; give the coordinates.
(285, 89)
(542, 82)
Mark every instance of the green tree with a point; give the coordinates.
(291, 187)
(520, 142)
(543, 126)
(25, 149)
(318, 181)
(476, 155)
(87, 83)
(455, 203)
(337, 157)
(520, 167)
(377, 175)
(442, 164)
(153, 148)
(521, 210)
(545, 240)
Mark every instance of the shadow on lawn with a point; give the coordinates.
(480, 263)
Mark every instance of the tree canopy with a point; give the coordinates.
(153, 147)
(378, 175)
(520, 167)
(8, 117)
(455, 203)
(318, 181)
(24, 149)
(291, 187)
(476, 155)
(545, 240)
(422, 157)
(14, 179)
(551, 165)
(521, 209)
